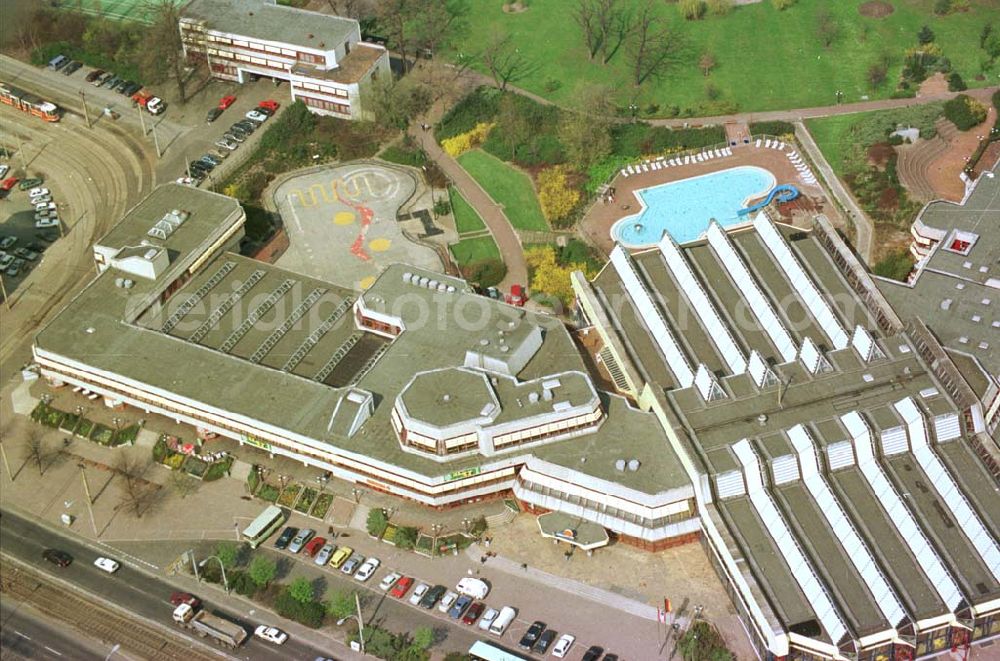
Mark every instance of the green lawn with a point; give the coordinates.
(766, 59)
(470, 251)
(830, 133)
(508, 187)
(466, 218)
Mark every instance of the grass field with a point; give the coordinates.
(830, 133)
(119, 10)
(466, 218)
(766, 59)
(470, 251)
(508, 187)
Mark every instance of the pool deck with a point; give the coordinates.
(599, 219)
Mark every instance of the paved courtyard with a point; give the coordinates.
(342, 223)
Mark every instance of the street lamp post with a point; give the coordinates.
(221, 566)
(357, 493)
(633, 108)
(86, 111)
(90, 500)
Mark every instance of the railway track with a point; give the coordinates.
(93, 619)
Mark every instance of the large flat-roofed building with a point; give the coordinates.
(322, 57)
(955, 290)
(416, 387)
(838, 484)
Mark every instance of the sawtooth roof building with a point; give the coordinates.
(753, 389)
(839, 485)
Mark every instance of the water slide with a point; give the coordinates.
(783, 193)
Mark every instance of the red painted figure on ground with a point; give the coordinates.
(367, 214)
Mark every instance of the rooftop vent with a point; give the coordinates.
(119, 282)
(407, 276)
(620, 465)
(128, 284)
(446, 397)
(423, 281)
(945, 304)
(762, 419)
(484, 342)
(547, 395)
(633, 465)
(451, 289)
(504, 348)
(151, 253)
(432, 284)
(442, 287)
(533, 397)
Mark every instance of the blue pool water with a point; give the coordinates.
(685, 207)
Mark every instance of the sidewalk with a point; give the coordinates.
(491, 212)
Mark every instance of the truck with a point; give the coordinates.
(153, 104)
(206, 624)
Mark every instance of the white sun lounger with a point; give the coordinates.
(92, 396)
(782, 146)
(656, 165)
(729, 152)
(758, 143)
(767, 145)
(78, 389)
(624, 173)
(645, 168)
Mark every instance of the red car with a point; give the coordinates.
(475, 610)
(401, 587)
(226, 101)
(9, 183)
(178, 598)
(517, 296)
(313, 547)
(269, 105)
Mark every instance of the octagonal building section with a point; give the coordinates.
(455, 411)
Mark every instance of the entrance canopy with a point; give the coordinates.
(572, 529)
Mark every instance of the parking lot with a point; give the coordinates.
(22, 245)
(588, 622)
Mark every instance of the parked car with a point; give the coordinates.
(58, 62)
(57, 557)
(352, 564)
(541, 645)
(107, 564)
(418, 593)
(245, 125)
(4, 169)
(340, 556)
(256, 116)
(15, 268)
(487, 619)
(474, 587)
(38, 192)
(301, 539)
(223, 143)
(389, 580)
(593, 653)
(447, 600)
(30, 182)
(185, 181)
(432, 596)
(44, 205)
(110, 81)
(9, 183)
(94, 75)
(562, 645)
(610, 657)
(211, 158)
(233, 137)
(213, 114)
(458, 608)
(5, 260)
(42, 223)
(271, 634)
(367, 568)
(285, 538)
(313, 546)
(207, 164)
(124, 85)
(72, 67)
(8, 242)
(24, 253)
(102, 79)
(475, 610)
(178, 598)
(269, 104)
(401, 586)
(531, 635)
(220, 154)
(226, 101)
(41, 199)
(324, 554)
(132, 89)
(503, 620)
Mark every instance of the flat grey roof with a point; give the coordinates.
(263, 19)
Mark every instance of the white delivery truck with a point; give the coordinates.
(473, 587)
(503, 620)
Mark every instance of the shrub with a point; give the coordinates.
(486, 272)
(955, 83)
(782, 5)
(692, 10)
(242, 583)
(555, 194)
(480, 106)
(942, 7)
(719, 7)
(965, 112)
(218, 469)
(301, 590)
(702, 641)
(926, 35)
(442, 207)
(309, 613)
(262, 570)
(406, 537)
(463, 142)
(896, 266)
(404, 155)
(772, 128)
(377, 522)
(548, 276)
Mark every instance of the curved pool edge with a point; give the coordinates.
(614, 231)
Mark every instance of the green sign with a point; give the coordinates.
(257, 443)
(461, 475)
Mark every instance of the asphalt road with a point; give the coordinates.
(25, 634)
(129, 588)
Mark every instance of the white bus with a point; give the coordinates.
(484, 651)
(264, 525)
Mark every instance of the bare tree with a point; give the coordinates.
(586, 17)
(36, 451)
(651, 47)
(605, 25)
(504, 61)
(183, 484)
(138, 495)
(394, 17)
(435, 24)
(514, 122)
(706, 63)
(164, 44)
(347, 8)
(585, 132)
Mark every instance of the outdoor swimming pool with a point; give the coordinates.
(685, 207)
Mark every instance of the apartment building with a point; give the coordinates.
(322, 58)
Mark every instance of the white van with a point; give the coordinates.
(473, 587)
(503, 620)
